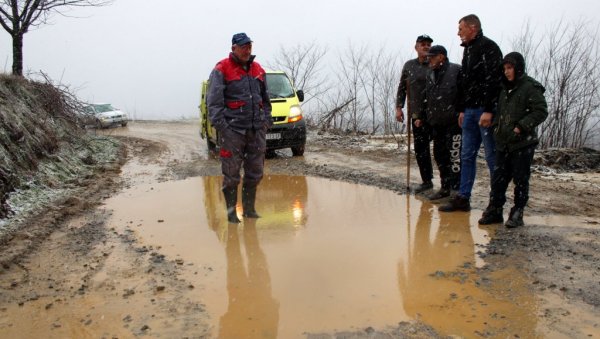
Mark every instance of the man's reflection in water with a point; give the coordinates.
(252, 311)
(429, 291)
(438, 285)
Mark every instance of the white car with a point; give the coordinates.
(105, 115)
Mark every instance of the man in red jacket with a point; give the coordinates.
(240, 109)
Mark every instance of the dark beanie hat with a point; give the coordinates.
(517, 61)
(437, 49)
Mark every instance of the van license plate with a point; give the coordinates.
(273, 136)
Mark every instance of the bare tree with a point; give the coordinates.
(379, 81)
(571, 79)
(18, 16)
(524, 44)
(368, 79)
(389, 77)
(303, 64)
(361, 97)
(351, 65)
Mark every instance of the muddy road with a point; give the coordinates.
(340, 251)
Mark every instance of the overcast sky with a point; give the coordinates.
(149, 57)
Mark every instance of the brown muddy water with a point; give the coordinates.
(325, 256)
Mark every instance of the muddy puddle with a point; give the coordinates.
(325, 256)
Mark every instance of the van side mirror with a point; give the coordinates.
(300, 94)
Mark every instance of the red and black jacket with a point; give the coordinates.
(237, 98)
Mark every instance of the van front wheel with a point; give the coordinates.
(212, 147)
(298, 150)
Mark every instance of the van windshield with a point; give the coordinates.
(279, 86)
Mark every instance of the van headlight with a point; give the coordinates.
(295, 113)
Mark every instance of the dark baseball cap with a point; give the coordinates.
(424, 37)
(240, 39)
(437, 49)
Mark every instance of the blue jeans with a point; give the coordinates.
(472, 136)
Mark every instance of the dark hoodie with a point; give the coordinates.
(518, 63)
(521, 104)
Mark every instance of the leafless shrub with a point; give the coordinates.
(331, 116)
(556, 57)
(303, 63)
(35, 118)
(59, 100)
(356, 94)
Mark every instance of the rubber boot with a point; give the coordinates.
(515, 218)
(231, 201)
(491, 215)
(248, 200)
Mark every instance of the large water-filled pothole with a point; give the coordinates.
(325, 256)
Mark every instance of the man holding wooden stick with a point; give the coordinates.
(413, 77)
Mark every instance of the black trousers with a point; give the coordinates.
(515, 166)
(447, 141)
(422, 142)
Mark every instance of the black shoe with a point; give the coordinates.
(491, 215)
(424, 187)
(442, 193)
(457, 203)
(515, 218)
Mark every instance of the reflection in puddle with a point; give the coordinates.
(439, 287)
(325, 256)
(251, 312)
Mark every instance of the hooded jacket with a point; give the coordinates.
(441, 93)
(481, 74)
(237, 96)
(521, 104)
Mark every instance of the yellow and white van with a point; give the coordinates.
(289, 126)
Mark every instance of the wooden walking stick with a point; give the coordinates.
(408, 129)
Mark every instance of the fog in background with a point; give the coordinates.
(149, 57)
